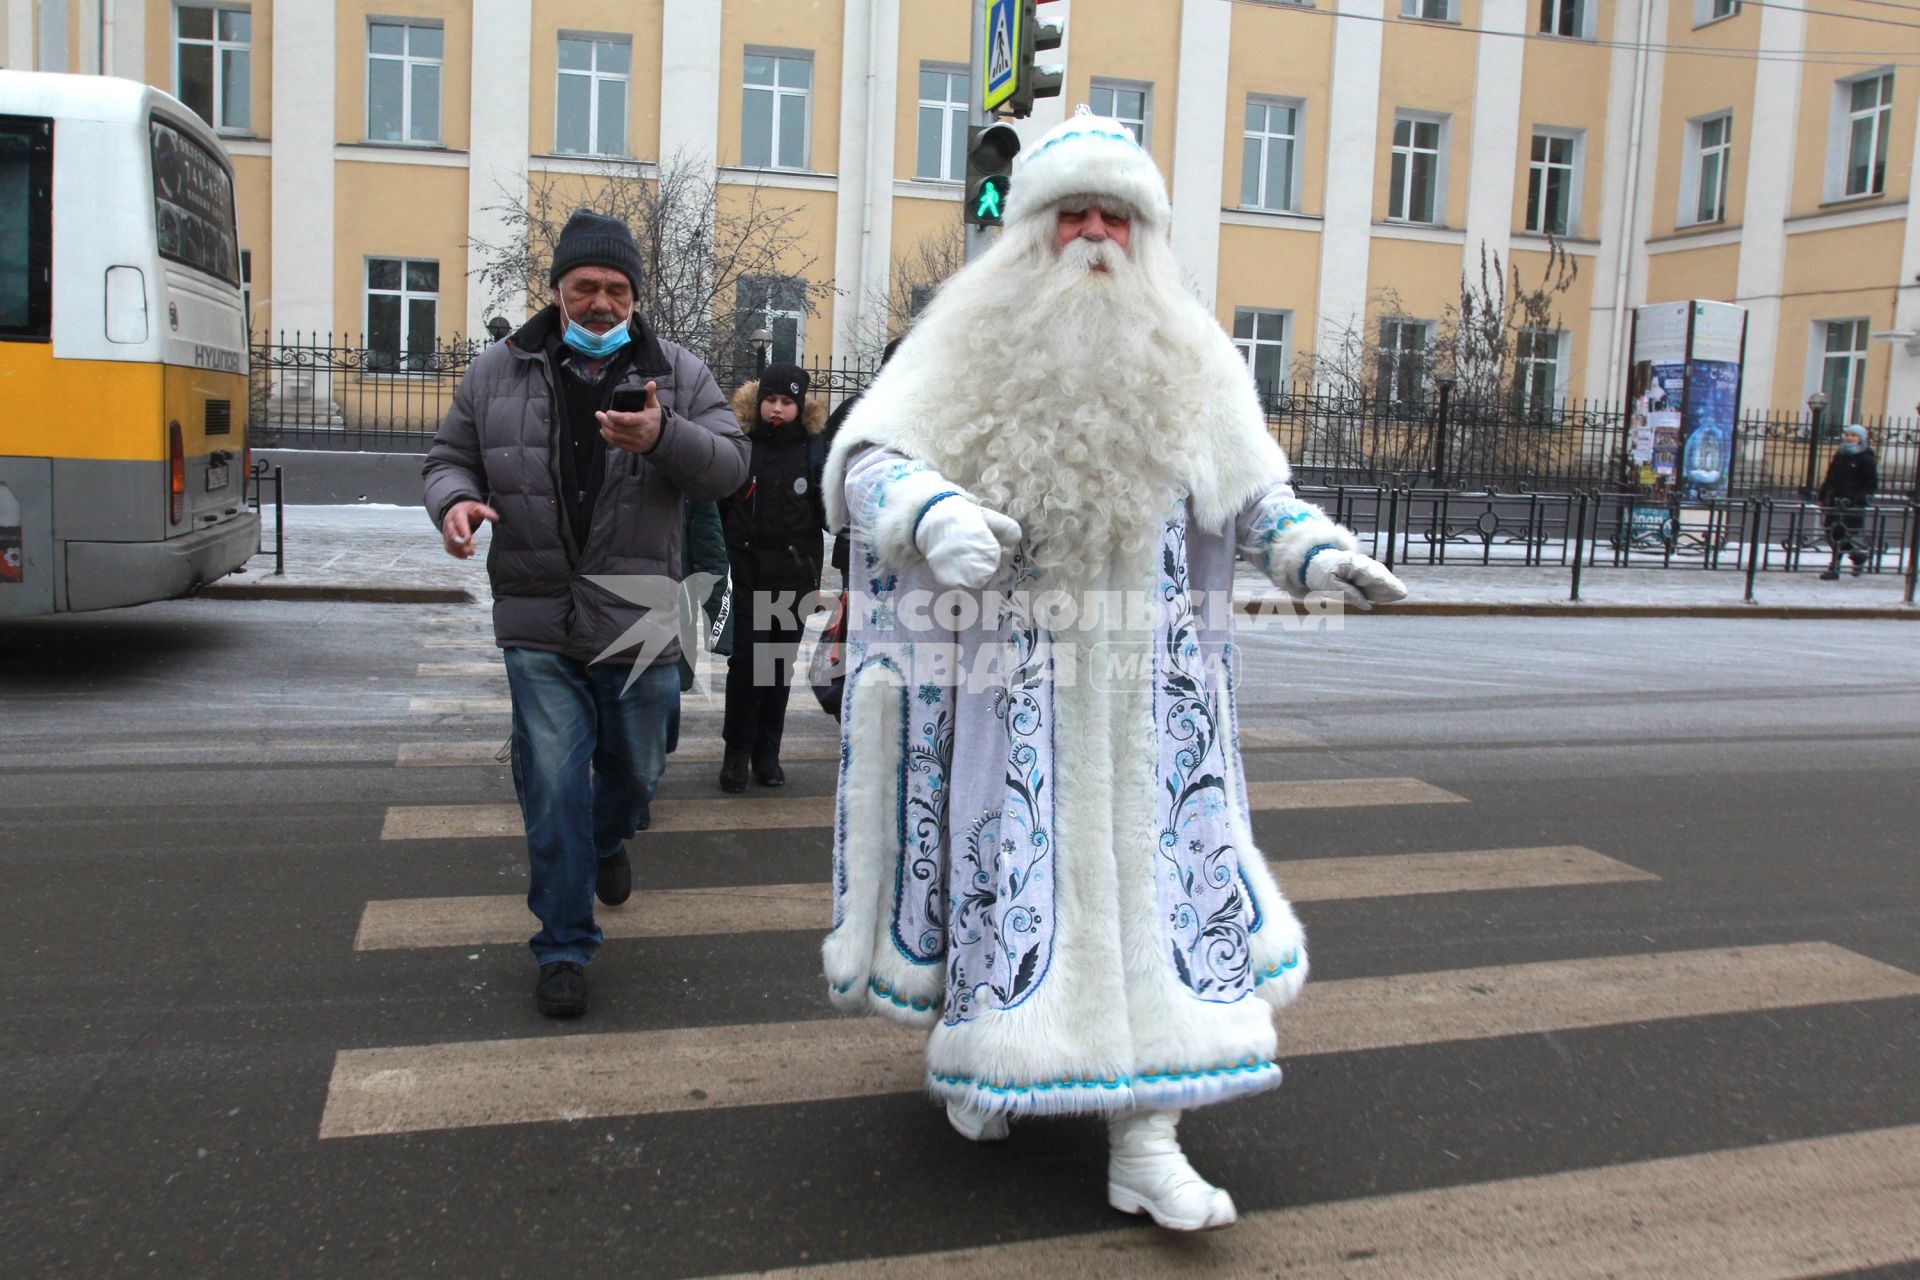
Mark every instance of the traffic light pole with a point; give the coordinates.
(978, 239)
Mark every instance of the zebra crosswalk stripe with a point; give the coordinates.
(452, 1086)
(1816, 1206)
(764, 813)
(503, 918)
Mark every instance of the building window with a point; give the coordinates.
(1705, 11)
(590, 96)
(1403, 360)
(213, 64)
(403, 82)
(1868, 106)
(1431, 10)
(1261, 337)
(773, 116)
(403, 303)
(919, 298)
(1540, 373)
(1127, 103)
(777, 304)
(1564, 18)
(1551, 180)
(1270, 156)
(1703, 196)
(1419, 142)
(246, 291)
(1843, 368)
(26, 229)
(943, 125)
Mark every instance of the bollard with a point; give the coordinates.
(1913, 549)
(1393, 517)
(1579, 544)
(1753, 547)
(279, 522)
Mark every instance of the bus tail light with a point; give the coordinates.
(176, 474)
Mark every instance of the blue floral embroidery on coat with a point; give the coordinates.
(1003, 865)
(1203, 901)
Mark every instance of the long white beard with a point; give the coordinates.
(1073, 400)
(1074, 434)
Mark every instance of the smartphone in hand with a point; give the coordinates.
(629, 400)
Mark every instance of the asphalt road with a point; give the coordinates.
(1714, 1002)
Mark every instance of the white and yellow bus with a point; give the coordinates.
(123, 353)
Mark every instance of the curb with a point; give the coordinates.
(335, 594)
(1573, 609)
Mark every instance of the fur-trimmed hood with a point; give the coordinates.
(746, 407)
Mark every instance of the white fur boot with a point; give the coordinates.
(976, 1125)
(1148, 1173)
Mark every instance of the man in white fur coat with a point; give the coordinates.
(1042, 844)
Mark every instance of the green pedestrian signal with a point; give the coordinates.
(990, 152)
(993, 193)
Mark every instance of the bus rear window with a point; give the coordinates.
(193, 204)
(26, 227)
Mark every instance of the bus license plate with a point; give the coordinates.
(216, 477)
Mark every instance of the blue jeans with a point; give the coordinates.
(586, 759)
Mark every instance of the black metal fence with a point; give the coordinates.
(1405, 526)
(327, 392)
(1455, 443)
(330, 393)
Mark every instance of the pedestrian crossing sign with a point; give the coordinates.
(1003, 52)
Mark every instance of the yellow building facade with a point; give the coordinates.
(1336, 166)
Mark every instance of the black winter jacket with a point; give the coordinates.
(1851, 480)
(775, 520)
(501, 444)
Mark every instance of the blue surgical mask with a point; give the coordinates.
(594, 346)
(1851, 445)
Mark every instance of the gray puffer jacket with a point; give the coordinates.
(499, 445)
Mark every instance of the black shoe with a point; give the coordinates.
(768, 773)
(733, 771)
(614, 883)
(1859, 569)
(562, 989)
(1831, 575)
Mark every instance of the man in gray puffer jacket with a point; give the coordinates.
(578, 490)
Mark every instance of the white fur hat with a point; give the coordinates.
(1088, 156)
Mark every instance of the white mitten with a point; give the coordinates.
(1363, 580)
(963, 541)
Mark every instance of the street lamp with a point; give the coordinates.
(761, 340)
(1815, 404)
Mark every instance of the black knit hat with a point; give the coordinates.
(594, 240)
(784, 380)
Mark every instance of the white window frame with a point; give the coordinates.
(408, 60)
(1142, 126)
(1708, 12)
(1250, 346)
(1693, 160)
(1266, 139)
(1421, 10)
(402, 359)
(953, 123)
(1442, 146)
(1818, 357)
(1551, 11)
(1840, 135)
(1387, 376)
(219, 47)
(596, 78)
(1526, 364)
(768, 314)
(783, 96)
(1535, 220)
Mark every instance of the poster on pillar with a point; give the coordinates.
(1686, 369)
